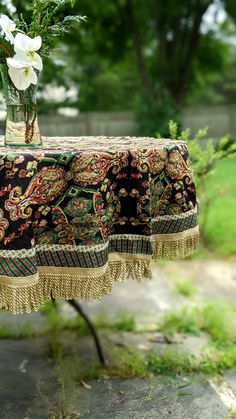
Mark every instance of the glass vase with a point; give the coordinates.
(22, 127)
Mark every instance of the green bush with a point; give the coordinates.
(206, 158)
(153, 116)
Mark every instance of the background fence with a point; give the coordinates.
(220, 120)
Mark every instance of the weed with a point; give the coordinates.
(232, 413)
(186, 320)
(123, 321)
(23, 331)
(211, 318)
(184, 287)
(127, 362)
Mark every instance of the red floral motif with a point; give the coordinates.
(24, 226)
(152, 159)
(3, 225)
(43, 188)
(92, 168)
(4, 190)
(22, 173)
(177, 167)
(110, 190)
(9, 238)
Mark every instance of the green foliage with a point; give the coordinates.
(184, 287)
(204, 156)
(153, 116)
(105, 88)
(170, 362)
(128, 47)
(6, 49)
(169, 62)
(211, 361)
(217, 208)
(184, 321)
(127, 362)
(25, 330)
(47, 19)
(123, 321)
(213, 319)
(49, 22)
(163, 45)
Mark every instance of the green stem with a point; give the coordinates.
(4, 48)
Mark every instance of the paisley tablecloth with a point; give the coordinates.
(80, 213)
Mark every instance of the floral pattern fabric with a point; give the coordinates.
(75, 200)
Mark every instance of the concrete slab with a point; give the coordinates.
(29, 388)
(24, 372)
(146, 300)
(150, 399)
(230, 378)
(213, 279)
(36, 321)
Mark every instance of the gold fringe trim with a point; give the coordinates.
(19, 280)
(92, 284)
(175, 246)
(66, 283)
(22, 298)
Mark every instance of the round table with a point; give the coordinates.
(80, 213)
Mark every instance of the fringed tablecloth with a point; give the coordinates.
(80, 213)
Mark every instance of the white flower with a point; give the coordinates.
(10, 7)
(21, 75)
(7, 27)
(25, 49)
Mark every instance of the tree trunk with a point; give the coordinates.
(127, 11)
(175, 58)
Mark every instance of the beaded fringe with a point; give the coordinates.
(63, 283)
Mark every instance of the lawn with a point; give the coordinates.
(220, 225)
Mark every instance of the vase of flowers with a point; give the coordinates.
(22, 46)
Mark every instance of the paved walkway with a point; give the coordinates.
(30, 387)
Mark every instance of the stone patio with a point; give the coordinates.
(29, 383)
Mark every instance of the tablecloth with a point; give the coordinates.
(80, 213)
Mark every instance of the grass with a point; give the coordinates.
(126, 360)
(25, 330)
(232, 413)
(211, 361)
(218, 355)
(214, 319)
(220, 224)
(122, 321)
(184, 287)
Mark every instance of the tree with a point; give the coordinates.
(161, 36)
(151, 55)
(164, 46)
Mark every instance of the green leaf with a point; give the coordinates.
(74, 19)
(61, 3)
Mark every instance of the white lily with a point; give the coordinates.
(25, 49)
(21, 75)
(7, 26)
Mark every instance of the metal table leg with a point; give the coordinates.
(92, 329)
